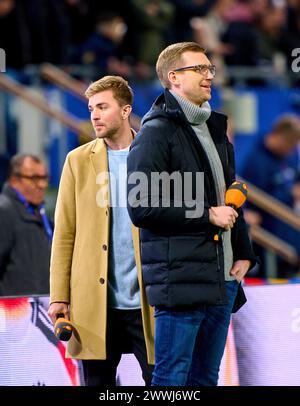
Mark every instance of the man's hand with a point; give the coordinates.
(223, 216)
(240, 268)
(58, 308)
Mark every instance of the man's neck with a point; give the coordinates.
(121, 142)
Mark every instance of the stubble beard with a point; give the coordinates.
(107, 133)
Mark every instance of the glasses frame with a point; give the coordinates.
(33, 178)
(199, 68)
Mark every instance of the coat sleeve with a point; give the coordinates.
(63, 237)
(151, 154)
(6, 236)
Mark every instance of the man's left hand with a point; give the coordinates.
(240, 268)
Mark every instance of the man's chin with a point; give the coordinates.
(100, 135)
(37, 202)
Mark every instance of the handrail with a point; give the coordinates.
(272, 206)
(62, 79)
(275, 244)
(12, 86)
(65, 81)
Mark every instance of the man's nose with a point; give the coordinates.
(42, 183)
(95, 114)
(209, 76)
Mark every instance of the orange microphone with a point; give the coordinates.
(235, 197)
(63, 329)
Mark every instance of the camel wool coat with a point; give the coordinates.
(79, 258)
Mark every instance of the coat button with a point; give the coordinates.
(104, 246)
(102, 280)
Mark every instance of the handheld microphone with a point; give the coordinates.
(63, 329)
(235, 197)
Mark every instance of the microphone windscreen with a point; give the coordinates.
(63, 329)
(236, 194)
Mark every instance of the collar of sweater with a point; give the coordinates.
(195, 115)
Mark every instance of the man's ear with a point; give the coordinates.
(126, 111)
(173, 78)
(13, 180)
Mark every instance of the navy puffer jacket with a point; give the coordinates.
(182, 264)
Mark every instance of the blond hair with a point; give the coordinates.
(170, 58)
(122, 92)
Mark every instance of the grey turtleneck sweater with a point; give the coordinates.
(197, 117)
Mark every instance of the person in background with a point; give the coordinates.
(193, 281)
(25, 229)
(151, 20)
(102, 48)
(95, 268)
(275, 172)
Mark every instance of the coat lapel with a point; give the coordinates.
(98, 157)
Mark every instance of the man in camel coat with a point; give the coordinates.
(95, 273)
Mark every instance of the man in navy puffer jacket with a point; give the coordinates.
(179, 168)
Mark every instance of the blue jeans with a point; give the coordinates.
(189, 345)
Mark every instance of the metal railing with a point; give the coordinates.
(12, 86)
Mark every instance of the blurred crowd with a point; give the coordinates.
(126, 37)
(273, 165)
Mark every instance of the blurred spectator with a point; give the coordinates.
(271, 29)
(208, 31)
(78, 13)
(228, 33)
(102, 48)
(25, 230)
(185, 10)
(241, 32)
(272, 166)
(48, 30)
(291, 36)
(152, 19)
(14, 34)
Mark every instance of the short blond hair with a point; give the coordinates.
(170, 58)
(121, 90)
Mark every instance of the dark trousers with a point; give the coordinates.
(124, 335)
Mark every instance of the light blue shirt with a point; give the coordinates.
(123, 288)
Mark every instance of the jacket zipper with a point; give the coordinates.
(219, 265)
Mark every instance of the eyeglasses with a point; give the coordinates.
(34, 178)
(202, 69)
